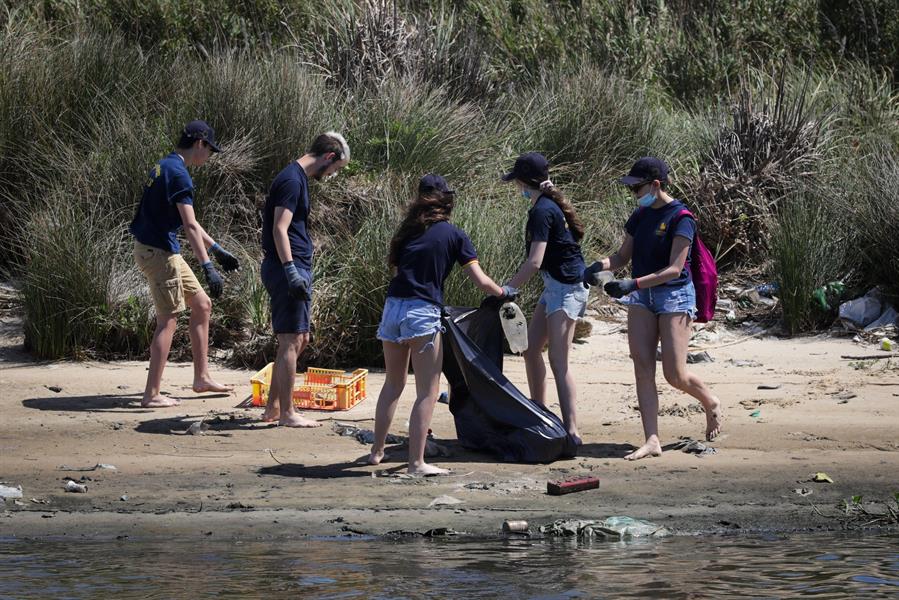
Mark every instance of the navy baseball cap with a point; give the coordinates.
(646, 169)
(530, 166)
(433, 182)
(200, 130)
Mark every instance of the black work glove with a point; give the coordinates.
(297, 285)
(620, 287)
(591, 274)
(227, 260)
(213, 279)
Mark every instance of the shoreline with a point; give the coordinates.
(823, 416)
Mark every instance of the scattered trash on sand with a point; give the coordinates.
(569, 486)
(691, 446)
(869, 312)
(9, 493)
(821, 477)
(769, 386)
(755, 414)
(802, 491)
(363, 436)
(444, 501)
(53, 388)
(699, 357)
(198, 428)
(103, 466)
(613, 528)
(77, 488)
(517, 526)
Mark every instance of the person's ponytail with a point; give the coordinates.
(575, 226)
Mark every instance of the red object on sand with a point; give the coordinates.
(567, 486)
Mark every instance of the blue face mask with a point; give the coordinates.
(647, 200)
(526, 194)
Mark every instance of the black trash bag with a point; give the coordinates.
(491, 414)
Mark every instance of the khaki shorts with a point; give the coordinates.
(171, 280)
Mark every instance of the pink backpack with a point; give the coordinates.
(704, 272)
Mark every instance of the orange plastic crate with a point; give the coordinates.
(316, 389)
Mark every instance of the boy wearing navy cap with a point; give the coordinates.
(287, 266)
(165, 207)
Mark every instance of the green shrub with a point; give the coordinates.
(808, 249)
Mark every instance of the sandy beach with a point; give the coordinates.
(244, 478)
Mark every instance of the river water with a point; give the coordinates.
(771, 566)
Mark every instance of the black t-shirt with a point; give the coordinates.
(289, 189)
(652, 239)
(426, 261)
(563, 259)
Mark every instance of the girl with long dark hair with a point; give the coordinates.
(552, 248)
(423, 252)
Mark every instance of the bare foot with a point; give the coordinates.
(296, 420)
(270, 415)
(426, 470)
(208, 385)
(159, 402)
(375, 458)
(576, 438)
(713, 421)
(650, 448)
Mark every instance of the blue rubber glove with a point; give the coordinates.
(226, 260)
(297, 285)
(620, 287)
(213, 279)
(509, 293)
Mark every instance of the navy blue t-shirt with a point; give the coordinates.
(563, 259)
(290, 189)
(652, 240)
(426, 261)
(157, 220)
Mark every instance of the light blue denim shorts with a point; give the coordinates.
(665, 300)
(406, 318)
(570, 297)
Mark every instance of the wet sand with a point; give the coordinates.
(249, 479)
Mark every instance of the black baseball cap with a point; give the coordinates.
(646, 169)
(530, 166)
(200, 130)
(433, 182)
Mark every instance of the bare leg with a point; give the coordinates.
(675, 333)
(533, 356)
(427, 362)
(561, 334)
(642, 337)
(159, 354)
(396, 363)
(200, 312)
(284, 373)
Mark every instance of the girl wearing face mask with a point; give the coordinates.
(552, 235)
(660, 297)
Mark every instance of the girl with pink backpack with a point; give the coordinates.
(661, 295)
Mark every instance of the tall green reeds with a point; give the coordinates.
(769, 154)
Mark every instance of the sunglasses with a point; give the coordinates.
(636, 187)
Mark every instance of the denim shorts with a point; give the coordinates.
(664, 300)
(404, 319)
(570, 297)
(289, 315)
